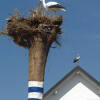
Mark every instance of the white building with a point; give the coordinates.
(76, 85)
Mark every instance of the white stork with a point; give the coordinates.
(53, 6)
(76, 59)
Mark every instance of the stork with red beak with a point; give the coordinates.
(76, 59)
(52, 6)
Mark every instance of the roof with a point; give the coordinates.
(76, 69)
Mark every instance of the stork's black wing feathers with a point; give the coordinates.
(75, 60)
(56, 6)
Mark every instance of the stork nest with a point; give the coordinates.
(23, 30)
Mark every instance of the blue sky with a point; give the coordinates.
(81, 28)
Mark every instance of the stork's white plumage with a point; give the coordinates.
(53, 6)
(76, 59)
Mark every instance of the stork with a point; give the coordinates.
(53, 6)
(76, 59)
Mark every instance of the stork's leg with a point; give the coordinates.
(54, 13)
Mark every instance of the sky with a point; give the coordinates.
(81, 27)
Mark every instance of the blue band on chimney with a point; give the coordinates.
(33, 99)
(35, 89)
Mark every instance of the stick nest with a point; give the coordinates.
(24, 30)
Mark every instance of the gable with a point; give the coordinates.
(80, 92)
(78, 85)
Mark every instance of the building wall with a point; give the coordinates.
(74, 88)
